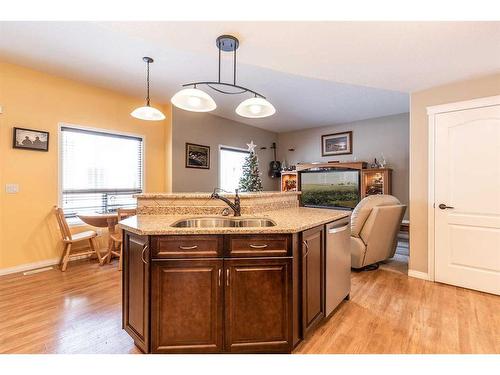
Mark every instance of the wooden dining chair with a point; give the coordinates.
(69, 239)
(116, 237)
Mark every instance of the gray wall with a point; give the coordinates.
(388, 135)
(210, 130)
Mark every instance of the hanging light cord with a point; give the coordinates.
(234, 67)
(147, 84)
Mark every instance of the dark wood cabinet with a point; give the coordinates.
(313, 274)
(187, 306)
(136, 289)
(258, 309)
(231, 293)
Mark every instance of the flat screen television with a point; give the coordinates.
(331, 188)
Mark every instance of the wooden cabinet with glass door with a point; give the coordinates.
(288, 181)
(376, 181)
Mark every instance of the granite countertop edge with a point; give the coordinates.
(287, 220)
(202, 195)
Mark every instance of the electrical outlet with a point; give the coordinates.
(12, 188)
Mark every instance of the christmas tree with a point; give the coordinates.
(250, 179)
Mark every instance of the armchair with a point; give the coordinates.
(374, 227)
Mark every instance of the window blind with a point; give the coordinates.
(100, 171)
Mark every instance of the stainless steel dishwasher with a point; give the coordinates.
(338, 263)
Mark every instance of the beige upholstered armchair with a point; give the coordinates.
(374, 227)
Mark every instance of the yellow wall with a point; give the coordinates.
(465, 90)
(31, 99)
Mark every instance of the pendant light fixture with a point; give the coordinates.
(255, 108)
(147, 112)
(193, 99)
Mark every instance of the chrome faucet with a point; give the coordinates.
(234, 206)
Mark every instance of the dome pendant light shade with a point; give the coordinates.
(193, 100)
(147, 112)
(255, 108)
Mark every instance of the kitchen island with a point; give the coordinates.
(224, 287)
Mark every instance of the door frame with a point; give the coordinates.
(432, 111)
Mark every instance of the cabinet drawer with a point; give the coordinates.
(187, 246)
(258, 245)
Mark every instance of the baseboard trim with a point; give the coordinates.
(418, 274)
(29, 266)
(33, 266)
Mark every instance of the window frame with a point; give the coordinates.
(78, 222)
(228, 148)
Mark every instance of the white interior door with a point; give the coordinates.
(467, 180)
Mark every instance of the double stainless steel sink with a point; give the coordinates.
(223, 222)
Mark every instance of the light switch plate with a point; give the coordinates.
(12, 188)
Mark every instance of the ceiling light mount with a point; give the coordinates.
(224, 43)
(227, 43)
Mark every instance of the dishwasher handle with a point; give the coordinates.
(338, 229)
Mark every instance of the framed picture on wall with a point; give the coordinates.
(197, 156)
(336, 144)
(30, 139)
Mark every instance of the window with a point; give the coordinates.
(231, 167)
(99, 171)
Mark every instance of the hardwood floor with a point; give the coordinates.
(79, 311)
(392, 313)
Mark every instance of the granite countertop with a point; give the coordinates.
(290, 220)
(203, 195)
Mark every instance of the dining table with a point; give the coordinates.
(102, 220)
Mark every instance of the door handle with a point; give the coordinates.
(142, 254)
(227, 276)
(444, 207)
(220, 275)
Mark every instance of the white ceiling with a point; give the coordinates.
(315, 73)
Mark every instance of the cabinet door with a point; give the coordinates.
(258, 308)
(187, 306)
(136, 289)
(313, 267)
